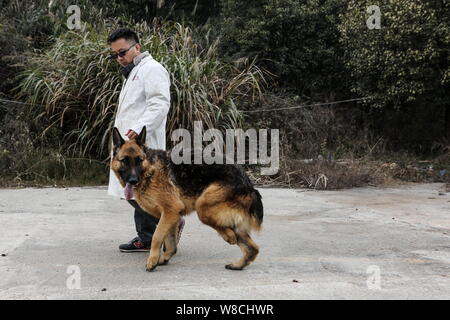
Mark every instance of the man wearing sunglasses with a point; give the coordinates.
(144, 101)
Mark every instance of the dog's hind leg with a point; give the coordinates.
(230, 220)
(227, 234)
(223, 225)
(249, 250)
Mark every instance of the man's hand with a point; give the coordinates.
(131, 134)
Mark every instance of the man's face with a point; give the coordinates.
(121, 45)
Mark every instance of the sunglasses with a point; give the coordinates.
(121, 53)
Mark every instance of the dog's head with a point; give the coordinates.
(129, 160)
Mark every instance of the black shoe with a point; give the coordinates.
(135, 245)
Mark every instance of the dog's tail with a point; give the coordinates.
(256, 210)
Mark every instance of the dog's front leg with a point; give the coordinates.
(167, 222)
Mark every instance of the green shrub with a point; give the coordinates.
(295, 40)
(29, 19)
(26, 160)
(403, 66)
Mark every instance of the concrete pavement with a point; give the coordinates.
(364, 243)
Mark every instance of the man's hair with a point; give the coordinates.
(123, 33)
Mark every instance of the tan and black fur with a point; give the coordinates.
(222, 195)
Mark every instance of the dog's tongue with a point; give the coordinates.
(128, 191)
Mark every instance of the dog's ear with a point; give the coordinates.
(118, 141)
(141, 137)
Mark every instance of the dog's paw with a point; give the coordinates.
(150, 267)
(231, 266)
(162, 261)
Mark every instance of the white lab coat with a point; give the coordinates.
(144, 101)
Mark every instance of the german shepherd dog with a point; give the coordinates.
(222, 195)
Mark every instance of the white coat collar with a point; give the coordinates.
(140, 57)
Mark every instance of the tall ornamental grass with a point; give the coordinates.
(73, 86)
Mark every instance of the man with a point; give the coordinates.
(144, 101)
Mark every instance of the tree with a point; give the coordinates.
(405, 63)
(295, 40)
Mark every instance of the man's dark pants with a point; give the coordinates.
(145, 223)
